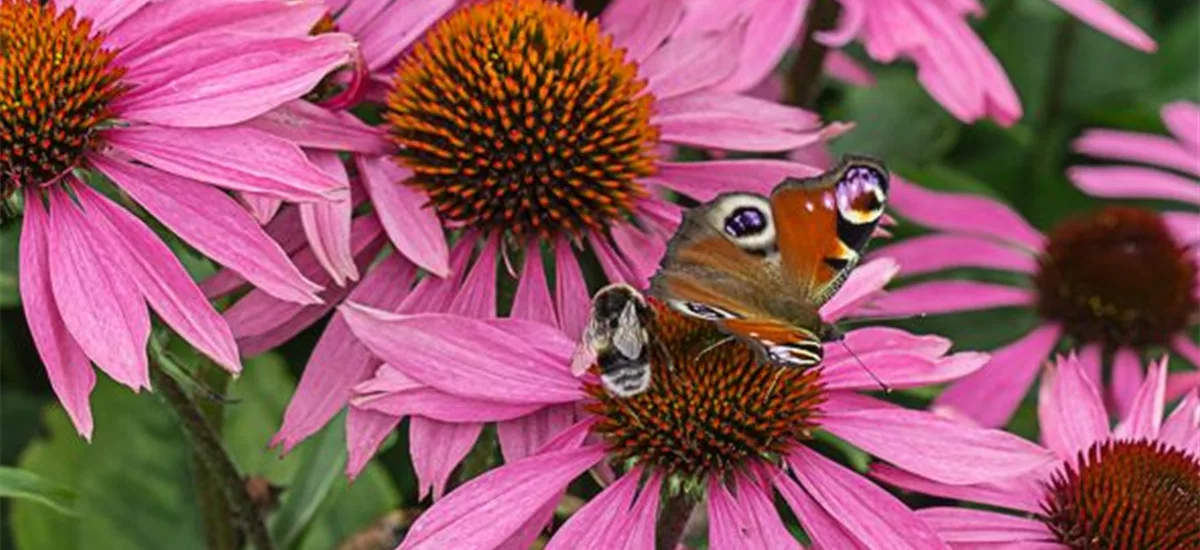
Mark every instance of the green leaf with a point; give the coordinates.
(134, 481)
(896, 120)
(322, 467)
(17, 483)
(351, 507)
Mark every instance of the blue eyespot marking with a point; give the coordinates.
(745, 221)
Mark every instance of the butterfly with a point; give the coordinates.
(762, 267)
(616, 340)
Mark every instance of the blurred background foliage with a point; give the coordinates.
(135, 485)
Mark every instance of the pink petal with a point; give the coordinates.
(640, 525)
(570, 290)
(238, 158)
(99, 303)
(1183, 120)
(703, 181)
(640, 248)
(824, 530)
(327, 224)
(397, 27)
(532, 301)
(308, 125)
(1182, 428)
(1070, 411)
(523, 436)
(884, 341)
(467, 356)
(160, 24)
(842, 66)
(1126, 379)
(365, 432)
(1179, 383)
(1091, 362)
(992, 393)
(850, 24)
(105, 14)
(929, 253)
(900, 370)
(771, 24)
(980, 526)
(614, 266)
(1023, 494)
(642, 27)
(411, 225)
(210, 221)
(67, 366)
(262, 207)
(262, 73)
(934, 447)
(735, 122)
(485, 511)
(162, 280)
(476, 294)
(597, 526)
(1146, 411)
(396, 394)
(692, 62)
(867, 513)
(747, 520)
(339, 361)
(1135, 147)
(1134, 182)
(864, 283)
(437, 448)
(962, 213)
(1185, 226)
(936, 297)
(1105, 19)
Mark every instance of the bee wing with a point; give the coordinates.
(584, 355)
(630, 336)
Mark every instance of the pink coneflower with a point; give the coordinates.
(1117, 282)
(716, 422)
(546, 147)
(1135, 486)
(952, 62)
(155, 97)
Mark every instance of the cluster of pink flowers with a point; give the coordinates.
(517, 152)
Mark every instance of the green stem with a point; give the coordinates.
(206, 443)
(674, 517)
(805, 73)
(1045, 150)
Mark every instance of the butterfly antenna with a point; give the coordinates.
(715, 345)
(886, 388)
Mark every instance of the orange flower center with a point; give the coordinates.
(56, 82)
(711, 404)
(1127, 495)
(520, 115)
(1117, 277)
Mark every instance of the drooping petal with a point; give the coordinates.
(930, 253)
(413, 227)
(70, 373)
(734, 122)
(532, 301)
(468, 356)
(327, 223)
(596, 526)
(396, 27)
(952, 296)
(1105, 19)
(1126, 379)
(1182, 119)
(641, 249)
(236, 158)
(1070, 411)
(1135, 147)
(338, 361)
(745, 520)
(213, 223)
(824, 530)
(991, 394)
(934, 447)
(437, 448)
(962, 213)
(160, 24)
(1023, 493)
(705, 180)
(900, 370)
(770, 24)
(1134, 182)
(162, 280)
(961, 525)
(692, 62)
(884, 341)
(476, 293)
(867, 513)
(485, 511)
(570, 290)
(309, 125)
(1146, 411)
(262, 207)
(100, 305)
(252, 76)
(394, 393)
(365, 432)
(105, 14)
(1182, 428)
(640, 26)
(523, 436)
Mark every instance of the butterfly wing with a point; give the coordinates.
(779, 342)
(824, 223)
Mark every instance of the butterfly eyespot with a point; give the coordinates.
(746, 221)
(862, 194)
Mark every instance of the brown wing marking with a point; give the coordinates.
(780, 342)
